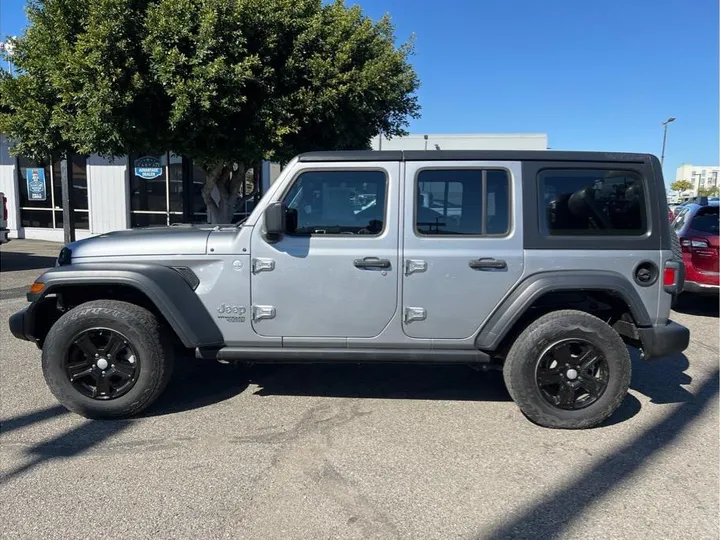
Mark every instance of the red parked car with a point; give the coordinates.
(697, 224)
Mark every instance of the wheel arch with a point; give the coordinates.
(168, 292)
(518, 305)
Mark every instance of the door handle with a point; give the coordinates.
(487, 263)
(372, 262)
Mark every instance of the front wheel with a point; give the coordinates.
(106, 359)
(568, 369)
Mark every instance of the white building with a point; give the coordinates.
(699, 176)
(470, 141)
(140, 191)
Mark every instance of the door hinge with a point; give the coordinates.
(263, 312)
(262, 265)
(415, 314)
(412, 266)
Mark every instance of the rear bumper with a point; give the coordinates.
(700, 288)
(4, 236)
(664, 340)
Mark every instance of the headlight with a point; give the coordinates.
(65, 257)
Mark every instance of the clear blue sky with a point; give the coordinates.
(592, 75)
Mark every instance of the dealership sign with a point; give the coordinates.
(148, 167)
(36, 184)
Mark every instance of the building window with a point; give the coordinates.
(156, 190)
(592, 202)
(40, 188)
(461, 202)
(167, 189)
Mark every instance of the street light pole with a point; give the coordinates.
(665, 125)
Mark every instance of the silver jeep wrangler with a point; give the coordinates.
(543, 264)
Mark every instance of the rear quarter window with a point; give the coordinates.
(591, 202)
(706, 221)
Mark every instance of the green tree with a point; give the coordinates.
(708, 191)
(227, 84)
(681, 185)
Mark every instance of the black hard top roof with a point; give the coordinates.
(473, 155)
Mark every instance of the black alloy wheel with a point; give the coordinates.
(572, 374)
(102, 364)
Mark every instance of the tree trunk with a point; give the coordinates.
(221, 190)
(221, 213)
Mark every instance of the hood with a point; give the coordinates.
(184, 240)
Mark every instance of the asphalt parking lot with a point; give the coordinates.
(321, 452)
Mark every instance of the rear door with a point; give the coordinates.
(462, 245)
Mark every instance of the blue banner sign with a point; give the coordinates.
(36, 184)
(148, 167)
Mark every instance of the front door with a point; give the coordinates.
(336, 274)
(463, 248)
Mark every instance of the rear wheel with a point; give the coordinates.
(106, 359)
(568, 369)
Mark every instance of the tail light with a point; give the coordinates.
(699, 243)
(673, 276)
(690, 244)
(669, 277)
(5, 208)
(685, 244)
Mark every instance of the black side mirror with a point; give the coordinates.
(274, 218)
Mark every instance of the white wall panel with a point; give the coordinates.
(8, 186)
(108, 190)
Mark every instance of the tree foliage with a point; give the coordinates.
(226, 83)
(681, 185)
(708, 191)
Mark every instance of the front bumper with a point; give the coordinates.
(19, 325)
(664, 340)
(700, 288)
(34, 321)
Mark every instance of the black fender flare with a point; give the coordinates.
(164, 286)
(527, 291)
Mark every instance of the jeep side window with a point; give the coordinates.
(450, 202)
(592, 202)
(338, 202)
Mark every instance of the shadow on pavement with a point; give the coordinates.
(397, 381)
(663, 379)
(694, 304)
(11, 261)
(199, 383)
(627, 409)
(71, 443)
(35, 417)
(552, 515)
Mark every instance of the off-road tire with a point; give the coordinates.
(521, 362)
(142, 330)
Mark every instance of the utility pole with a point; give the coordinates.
(67, 200)
(665, 125)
